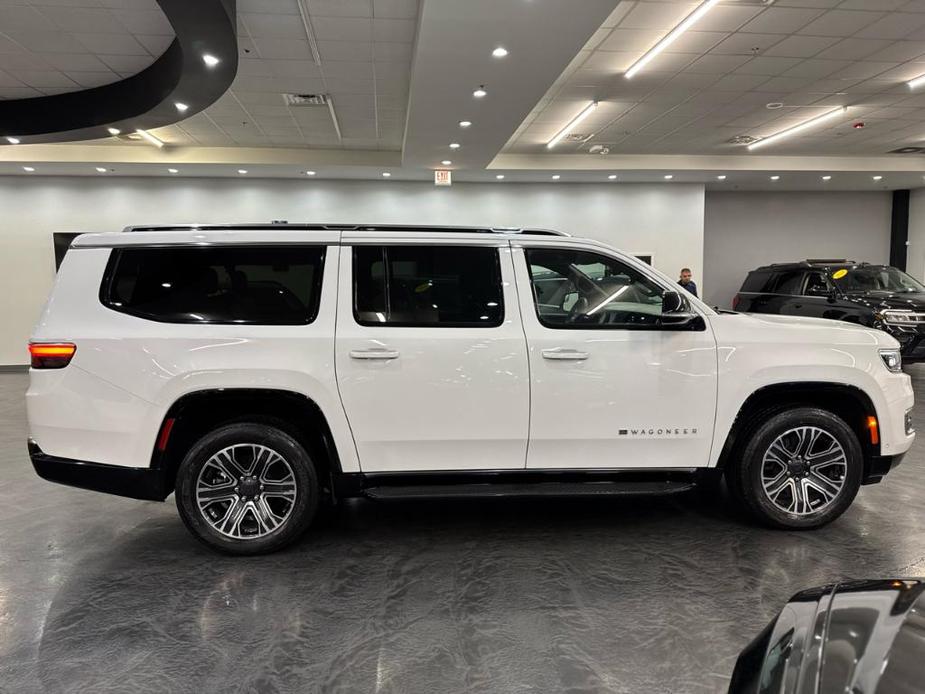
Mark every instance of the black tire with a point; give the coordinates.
(252, 534)
(745, 476)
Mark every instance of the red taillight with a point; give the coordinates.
(164, 436)
(51, 355)
(735, 302)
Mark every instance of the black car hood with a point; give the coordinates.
(911, 301)
(859, 636)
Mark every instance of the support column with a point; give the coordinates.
(899, 229)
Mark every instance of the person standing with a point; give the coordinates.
(686, 281)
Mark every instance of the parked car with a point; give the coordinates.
(257, 370)
(878, 296)
(860, 636)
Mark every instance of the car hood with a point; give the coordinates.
(859, 636)
(734, 328)
(883, 300)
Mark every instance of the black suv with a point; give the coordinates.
(878, 296)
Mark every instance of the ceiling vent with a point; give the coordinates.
(907, 150)
(599, 149)
(129, 137)
(305, 99)
(576, 137)
(742, 140)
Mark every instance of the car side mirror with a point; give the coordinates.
(676, 312)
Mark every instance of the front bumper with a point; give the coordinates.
(877, 467)
(149, 484)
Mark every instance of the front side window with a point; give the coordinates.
(265, 285)
(427, 286)
(579, 289)
(816, 284)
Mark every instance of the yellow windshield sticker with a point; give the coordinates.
(838, 274)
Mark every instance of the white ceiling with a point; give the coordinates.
(55, 46)
(401, 78)
(715, 81)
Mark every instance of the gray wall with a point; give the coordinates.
(664, 220)
(745, 230)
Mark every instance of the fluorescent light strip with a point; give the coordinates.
(672, 36)
(916, 83)
(789, 132)
(150, 138)
(572, 123)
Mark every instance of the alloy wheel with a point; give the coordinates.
(803, 470)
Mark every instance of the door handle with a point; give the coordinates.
(373, 354)
(565, 354)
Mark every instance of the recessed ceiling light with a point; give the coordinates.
(499, 176)
(720, 178)
(878, 178)
(826, 178)
(173, 171)
(670, 38)
(100, 169)
(668, 177)
(556, 177)
(446, 162)
(775, 178)
(242, 171)
(210, 60)
(465, 123)
(454, 145)
(499, 52)
(28, 169)
(386, 174)
(585, 112)
(480, 92)
(13, 140)
(151, 138)
(181, 107)
(310, 173)
(612, 176)
(841, 110)
(113, 131)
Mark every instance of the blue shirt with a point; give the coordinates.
(690, 286)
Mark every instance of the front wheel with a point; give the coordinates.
(799, 470)
(247, 488)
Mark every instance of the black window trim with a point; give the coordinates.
(697, 326)
(429, 326)
(115, 255)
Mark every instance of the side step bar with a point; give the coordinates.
(561, 489)
(513, 483)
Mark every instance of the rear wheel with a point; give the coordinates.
(799, 469)
(247, 488)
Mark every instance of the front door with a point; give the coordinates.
(430, 353)
(610, 387)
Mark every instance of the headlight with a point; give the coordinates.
(892, 359)
(899, 317)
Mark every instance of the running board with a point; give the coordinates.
(541, 489)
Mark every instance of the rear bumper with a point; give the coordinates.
(878, 466)
(149, 484)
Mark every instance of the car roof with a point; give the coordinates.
(298, 226)
(810, 264)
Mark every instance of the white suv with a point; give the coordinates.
(259, 370)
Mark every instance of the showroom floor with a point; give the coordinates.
(105, 594)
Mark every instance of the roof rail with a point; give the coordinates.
(341, 227)
(830, 261)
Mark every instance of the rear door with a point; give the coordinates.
(430, 352)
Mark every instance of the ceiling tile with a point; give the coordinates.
(282, 26)
(83, 20)
(93, 79)
(79, 62)
(840, 23)
(662, 16)
(396, 30)
(392, 52)
(893, 26)
(345, 50)
(747, 44)
(343, 28)
(801, 46)
(340, 8)
(283, 49)
(781, 20)
(18, 18)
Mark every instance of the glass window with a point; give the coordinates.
(578, 289)
(266, 285)
(816, 284)
(789, 282)
(427, 286)
(875, 278)
(758, 282)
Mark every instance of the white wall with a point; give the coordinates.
(745, 230)
(666, 220)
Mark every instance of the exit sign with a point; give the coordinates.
(443, 177)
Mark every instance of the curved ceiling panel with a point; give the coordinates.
(147, 100)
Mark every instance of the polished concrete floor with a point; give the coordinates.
(100, 594)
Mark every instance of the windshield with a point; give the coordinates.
(875, 278)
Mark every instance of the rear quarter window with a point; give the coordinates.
(758, 282)
(256, 285)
